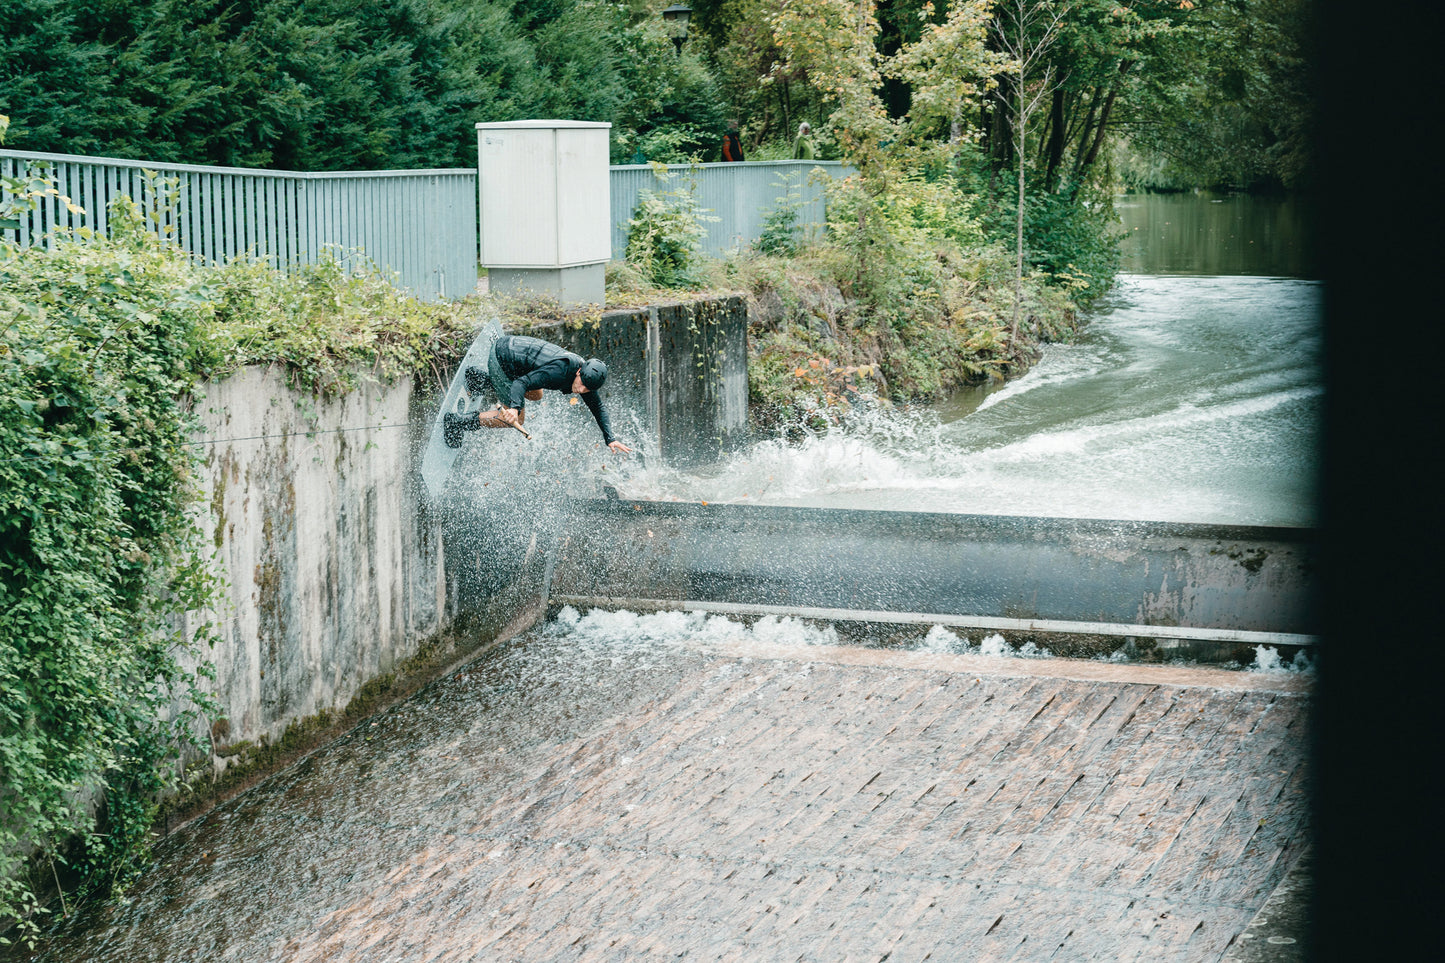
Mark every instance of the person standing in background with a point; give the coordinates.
(732, 145)
(803, 145)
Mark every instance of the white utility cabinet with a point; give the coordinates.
(544, 207)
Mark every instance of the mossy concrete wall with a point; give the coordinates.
(334, 572)
(340, 574)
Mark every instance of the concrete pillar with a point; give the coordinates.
(544, 208)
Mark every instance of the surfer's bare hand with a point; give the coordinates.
(619, 447)
(509, 415)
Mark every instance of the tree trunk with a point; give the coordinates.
(1019, 155)
(1086, 131)
(1001, 135)
(1057, 134)
(1093, 153)
(785, 99)
(1087, 160)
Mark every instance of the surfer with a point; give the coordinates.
(518, 368)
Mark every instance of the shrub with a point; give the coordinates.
(98, 552)
(101, 341)
(665, 232)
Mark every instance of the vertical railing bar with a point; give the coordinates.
(289, 197)
(278, 220)
(249, 190)
(96, 199)
(63, 172)
(273, 236)
(397, 189)
(360, 189)
(326, 220)
(299, 190)
(226, 223)
(194, 202)
(283, 213)
(183, 211)
(236, 207)
(102, 200)
(413, 258)
(257, 192)
(364, 188)
(343, 220)
(204, 217)
(225, 218)
(255, 200)
(216, 232)
(238, 204)
(312, 190)
(435, 235)
(329, 233)
(353, 215)
(303, 221)
(11, 168)
(321, 216)
(384, 236)
(322, 209)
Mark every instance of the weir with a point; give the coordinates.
(607, 784)
(1080, 586)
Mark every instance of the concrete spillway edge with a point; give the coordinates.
(1189, 633)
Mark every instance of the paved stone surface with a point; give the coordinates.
(770, 804)
(875, 812)
(1279, 932)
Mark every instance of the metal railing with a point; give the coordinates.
(420, 224)
(740, 195)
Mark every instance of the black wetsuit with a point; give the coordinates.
(533, 363)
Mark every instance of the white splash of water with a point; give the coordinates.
(1267, 659)
(994, 645)
(943, 641)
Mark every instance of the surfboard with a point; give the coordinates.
(437, 459)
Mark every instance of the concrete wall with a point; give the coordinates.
(1159, 574)
(335, 573)
(681, 370)
(337, 567)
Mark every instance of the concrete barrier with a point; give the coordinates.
(1246, 585)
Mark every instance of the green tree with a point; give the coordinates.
(1241, 114)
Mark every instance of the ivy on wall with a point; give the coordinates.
(97, 549)
(102, 340)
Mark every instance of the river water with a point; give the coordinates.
(1192, 395)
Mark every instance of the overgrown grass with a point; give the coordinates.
(330, 323)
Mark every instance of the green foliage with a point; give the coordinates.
(97, 550)
(1240, 116)
(780, 225)
(665, 232)
(329, 323)
(675, 111)
(101, 341)
(1071, 237)
(332, 84)
(815, 354)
